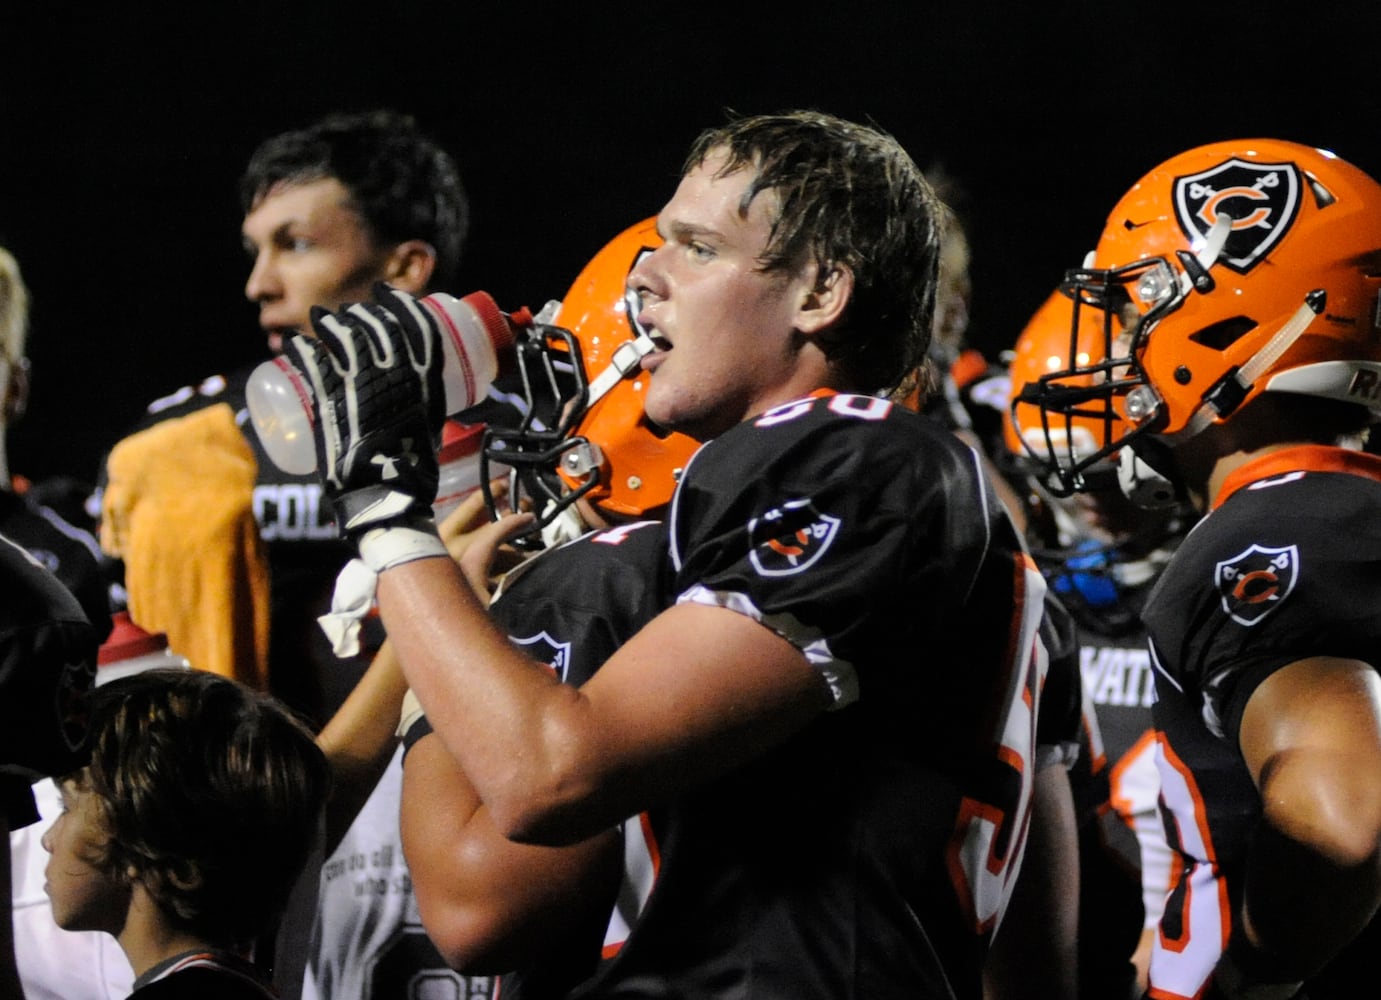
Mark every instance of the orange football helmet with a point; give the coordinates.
(1232, 269)
(585, 433)
(1056, 344)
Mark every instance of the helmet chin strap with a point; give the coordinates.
(1214, 241)
(1227, 394)
(1143, 483)
(566, 526)
(625, 358)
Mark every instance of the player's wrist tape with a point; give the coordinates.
(1240, 973)
(412, 723)
(384, 548)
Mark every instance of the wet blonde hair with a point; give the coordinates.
(14, 308)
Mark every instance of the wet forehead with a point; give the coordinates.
(709, 205)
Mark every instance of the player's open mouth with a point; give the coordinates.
(660, 347)
(279, 336)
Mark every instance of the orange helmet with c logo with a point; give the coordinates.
(1232, 269)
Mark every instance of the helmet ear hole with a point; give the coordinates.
(1222, 335)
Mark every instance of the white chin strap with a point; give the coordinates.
(1269, 354)
(565, 527)
(1208, 254)
(626, 358)
(1245, 377)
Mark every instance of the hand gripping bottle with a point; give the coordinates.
(458, 465)
(476, 344)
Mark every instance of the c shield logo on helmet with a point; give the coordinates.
(1254, 582)
(1262, 199)
(790, 538)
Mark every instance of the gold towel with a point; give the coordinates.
(178, 509)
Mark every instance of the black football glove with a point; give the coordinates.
(375, 370)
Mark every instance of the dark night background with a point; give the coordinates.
(123, 129)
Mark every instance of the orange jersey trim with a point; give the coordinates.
(1300, 458)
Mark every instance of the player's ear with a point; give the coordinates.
(410, 265)
(824, 301)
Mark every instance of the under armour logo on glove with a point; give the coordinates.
(388, 463)
(375, 371)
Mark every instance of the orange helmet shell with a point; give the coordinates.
(639, 462)
(1053, 344)
(1299, 219)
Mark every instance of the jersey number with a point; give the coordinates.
(862, 407)
(990, 835)
(409, 968)
(1197, 921)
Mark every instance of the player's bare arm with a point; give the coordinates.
(1311, 735)
(695, 692)
(491, 905)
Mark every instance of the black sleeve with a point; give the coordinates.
(47, 669)
(1061, 702)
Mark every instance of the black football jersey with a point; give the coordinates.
(1115, 667)
(47, 670)
(571, 608)
(1286, 566)
(305, 553)
(1123, 861)
(70, 553)
(872, 853)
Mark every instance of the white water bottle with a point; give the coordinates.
(458, 465)
(476, 344)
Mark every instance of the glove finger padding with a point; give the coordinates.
(422, 337)
(375, 372)
(420, 333)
